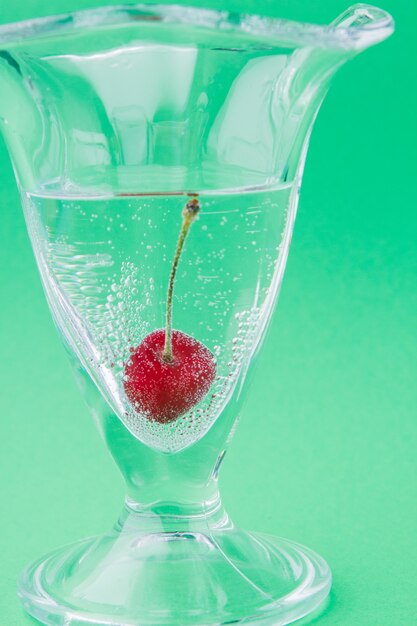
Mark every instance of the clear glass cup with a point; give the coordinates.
(159, 152)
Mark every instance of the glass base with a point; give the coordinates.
(206, 576)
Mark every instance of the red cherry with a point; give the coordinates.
(165, 390)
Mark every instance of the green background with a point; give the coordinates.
(326, 452)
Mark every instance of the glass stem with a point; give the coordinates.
(189, 214)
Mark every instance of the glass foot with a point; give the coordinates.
(198, 577)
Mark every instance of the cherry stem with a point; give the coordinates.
(189, 214)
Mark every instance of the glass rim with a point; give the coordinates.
(360, 26)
